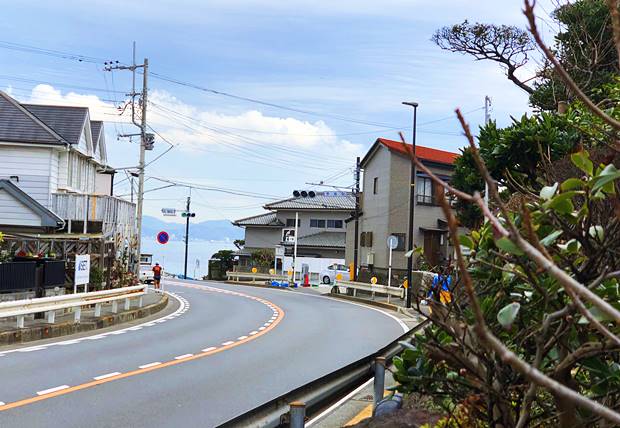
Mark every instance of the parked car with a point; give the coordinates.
(328, 276)
(146, 274)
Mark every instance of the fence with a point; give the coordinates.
(371, 288)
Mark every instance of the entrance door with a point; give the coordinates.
(432, 247)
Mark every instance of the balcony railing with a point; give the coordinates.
(114, 214)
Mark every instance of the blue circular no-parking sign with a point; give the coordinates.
(162, 237)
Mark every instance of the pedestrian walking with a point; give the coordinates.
(157, 270)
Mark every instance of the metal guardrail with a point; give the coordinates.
(372, 288)
(20, 308)
(236, 276)
(320, 393)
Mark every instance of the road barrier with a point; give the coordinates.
(237, 276)
(312, 398)
(371, 288)
(49, 305)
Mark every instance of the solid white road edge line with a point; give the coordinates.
(95, 336)
(337, 404)
(104, 376)
(48, 391)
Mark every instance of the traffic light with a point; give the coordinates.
(186, 214)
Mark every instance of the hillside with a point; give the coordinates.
(210, 230)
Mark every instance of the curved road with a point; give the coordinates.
(225, 350)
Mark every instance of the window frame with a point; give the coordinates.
(334, 222)
(375, 186)
(317, 224)
(425, 198)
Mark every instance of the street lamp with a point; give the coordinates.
(412, 204)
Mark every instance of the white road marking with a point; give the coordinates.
(212, 348)
(146, 366)
(70, 342)
(227, 343)
(49, 391)
(261, 328)
(104, 376)
(135, 328)
(242, 337)
(2, 403)
(99, 336)
(118, 332)
(266, 324)
(38, 348)
(252, 333)
(180, 357)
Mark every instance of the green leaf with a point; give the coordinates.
(452, 375)
(550, 239)
(506, 316)
(466, 241)
(596, 232)
(582, 161)
(562, 203)
(547, 192)
(609, 174)
(571, 184)
(508, 246)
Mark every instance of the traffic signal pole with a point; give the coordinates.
(187, 216)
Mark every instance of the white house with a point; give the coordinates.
(54, 174)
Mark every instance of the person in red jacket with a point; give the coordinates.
(157, 275)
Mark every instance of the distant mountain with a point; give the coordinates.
(210, 230)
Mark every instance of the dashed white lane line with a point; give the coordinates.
(146, 366)
(104, 376)
(228, 343)
(212, 348)
(266, 324)
(180, 357)
(252, 333)
(49, 391)
(242, 337)
(262, 328)
(2, 403)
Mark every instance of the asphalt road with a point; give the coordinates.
(225, 350)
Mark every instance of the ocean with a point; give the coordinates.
(171, 255)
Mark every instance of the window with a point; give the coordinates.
(425, 191)
(334, 224)
(317, 223)
(375, 185)
(290, 222)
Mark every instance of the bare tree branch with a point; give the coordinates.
(529, 13)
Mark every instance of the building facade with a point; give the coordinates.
(320, 227)
(385, 208)
(53, 164)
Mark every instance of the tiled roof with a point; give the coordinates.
(337, 201)
(423, 153)
(17, 124)
(67, 121)
(268, 219)
(95, 129)
(322, 239)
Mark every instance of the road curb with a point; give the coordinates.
(365, 301)
(66, 328)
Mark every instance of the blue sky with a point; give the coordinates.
(357, 59)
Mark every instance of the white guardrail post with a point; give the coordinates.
(49, 305)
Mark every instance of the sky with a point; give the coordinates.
(340, 69)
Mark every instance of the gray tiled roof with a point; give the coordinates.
(322, 201)
(67, 121)
(48, 218)
(95, 129)
(268, 219)
(19, 125)
(322, 239)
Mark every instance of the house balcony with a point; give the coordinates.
(95, 213)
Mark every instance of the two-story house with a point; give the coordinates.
(320, 228)
(385, 207)
(54, 175)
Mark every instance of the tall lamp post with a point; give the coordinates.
(412, 204)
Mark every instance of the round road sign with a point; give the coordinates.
(373, 280)
(254, 270)
(162, 237)
(392, 242)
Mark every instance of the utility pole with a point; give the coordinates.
(357, 218)
(145, 138)
(295, 246)
(412, 204)
(487, 120)
(187, 214)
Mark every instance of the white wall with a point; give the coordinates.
(14, 213)
(33, 166)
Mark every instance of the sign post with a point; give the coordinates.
(82, 271)
(392, 243)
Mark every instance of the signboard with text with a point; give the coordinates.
(82, 269)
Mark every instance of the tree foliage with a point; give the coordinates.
(467, 178)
